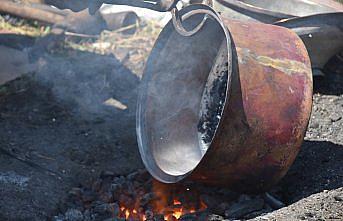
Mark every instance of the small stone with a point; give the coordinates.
(302, 217)
(339, 197)
(58, 218)
(132, 176)
(149, 215)
(309, 214)
(75, 192)
(106, 174)
(73, 215)
(315, 125)
(215, 218)
(104, 208)
(334, 117)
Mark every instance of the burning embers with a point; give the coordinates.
(158, 201)
(136, 197)
(163, 203)
(174, 210)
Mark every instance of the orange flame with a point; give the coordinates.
(176, 202)
(127, 214)
(166, 202)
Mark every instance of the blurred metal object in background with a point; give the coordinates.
(270, 11)
(322, 34)
(93, 5)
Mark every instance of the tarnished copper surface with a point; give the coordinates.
(265, 120)
(265, 116)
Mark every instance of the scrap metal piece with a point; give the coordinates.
(256, 13)
(157, 5)
(266, 108)
(94, 5)
(268, 11)
(322, 35)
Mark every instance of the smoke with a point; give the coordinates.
(88, 83)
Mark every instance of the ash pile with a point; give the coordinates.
(138, 196)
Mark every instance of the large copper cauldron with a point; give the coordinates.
(266, 106)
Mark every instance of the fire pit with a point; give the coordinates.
(224, 102)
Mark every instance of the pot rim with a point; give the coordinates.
(145, 152)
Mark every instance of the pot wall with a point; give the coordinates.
(267, 112)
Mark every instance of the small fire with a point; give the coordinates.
(177, 202)
(171, 202)
(127, 214)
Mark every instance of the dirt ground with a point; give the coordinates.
(312, 188)
(57, 131)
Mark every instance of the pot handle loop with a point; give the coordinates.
(177, 19)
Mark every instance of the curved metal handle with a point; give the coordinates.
(177, 20)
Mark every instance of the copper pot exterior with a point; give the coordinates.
(267, 111)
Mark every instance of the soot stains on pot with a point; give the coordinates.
(213, 98)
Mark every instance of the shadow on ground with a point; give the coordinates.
(331, 83)
(318, 167)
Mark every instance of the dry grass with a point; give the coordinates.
(132, 50)
(21, 27)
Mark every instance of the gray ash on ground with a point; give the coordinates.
(138, 196)
(213, 98)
